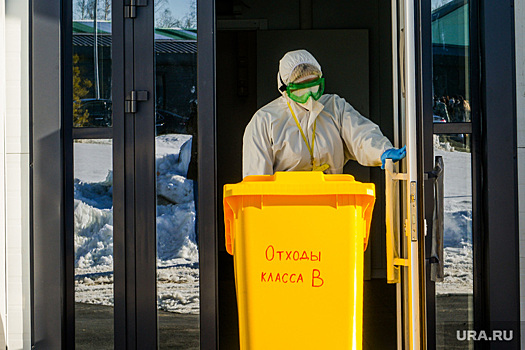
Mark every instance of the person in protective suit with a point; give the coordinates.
(305, 130)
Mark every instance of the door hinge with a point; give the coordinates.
(132, 98)
(130, 11)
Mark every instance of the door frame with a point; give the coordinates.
(494, 165)
(51, 178)
(499, 263)
(208, 194)
(496, 259)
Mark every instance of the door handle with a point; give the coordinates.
(437, 261)
(393, 259)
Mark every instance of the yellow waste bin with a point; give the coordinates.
(297, 239)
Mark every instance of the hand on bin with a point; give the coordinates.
(394, 153)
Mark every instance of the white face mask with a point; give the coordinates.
(311, 104)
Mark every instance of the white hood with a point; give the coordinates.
(291, 60)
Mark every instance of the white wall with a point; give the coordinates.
(14, 156)
(519, 16)
(3, 300)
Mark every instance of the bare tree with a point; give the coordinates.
(166, 20)
(81, 9)
(106, 9)
(87, 8)
(190, 20)
(160, 7)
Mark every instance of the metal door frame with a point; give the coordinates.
(494, 164)
(499, 264)
(427, 130)
(51, 177)
(496, 282)
(493, 130)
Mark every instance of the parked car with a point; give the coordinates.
(99, 112)
(100, 115)
(438, 119)
(171, 122)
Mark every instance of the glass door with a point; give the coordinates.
(453, 111)
(135, 279)
(435, 74)
(176, 128)
(454, 137)
(446, 141)
(93, 174)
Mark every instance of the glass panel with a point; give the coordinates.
(93, 244)
(92, 63)
(451, 67)
(176, 156)
(454, 303)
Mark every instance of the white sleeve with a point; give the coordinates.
(257, 153)
(363, 139)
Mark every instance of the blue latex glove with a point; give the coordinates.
(394, 153)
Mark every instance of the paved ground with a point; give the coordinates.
(454, 314)
(94, 325)
(94, 329)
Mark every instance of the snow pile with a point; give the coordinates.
(179, 219)
(178, 216)
(98, 194)
(173, 153)
(458, 228)
(93, 237)
(177, 250)
(175, 188)
(458, 271)
(178, 288)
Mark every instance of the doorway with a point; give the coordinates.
(351, 41)
(121, 129)
(133, 257)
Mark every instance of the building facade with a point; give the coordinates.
(112, 163)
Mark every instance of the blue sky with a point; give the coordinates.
(179, 8)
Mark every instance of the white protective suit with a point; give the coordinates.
(273, 142)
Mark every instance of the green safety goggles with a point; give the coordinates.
(293, 89)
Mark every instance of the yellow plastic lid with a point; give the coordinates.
(299, 183)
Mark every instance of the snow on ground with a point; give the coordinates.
(92, 160)
(177, 251)
(177, 287)
(458, 220)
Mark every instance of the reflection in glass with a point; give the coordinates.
(92, 63)
(93, 192)
(454, 304)
(450, 49)
(176, 156)
(93, 244)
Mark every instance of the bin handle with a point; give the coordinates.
(392, 224)
(368, 219)
(228, 225)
